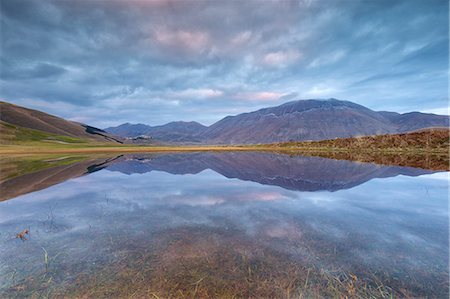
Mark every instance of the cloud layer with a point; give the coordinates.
(108, 62)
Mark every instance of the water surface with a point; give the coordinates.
(223, 225)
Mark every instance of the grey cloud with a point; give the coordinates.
(38, 71)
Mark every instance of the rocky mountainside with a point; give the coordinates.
(299, 120)
(292, 121)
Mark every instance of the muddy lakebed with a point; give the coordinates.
(234, 224)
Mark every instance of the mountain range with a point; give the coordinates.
(177, 131)
(293, 121)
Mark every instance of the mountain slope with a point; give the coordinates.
(43, 122)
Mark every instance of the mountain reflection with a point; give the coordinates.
(299, 173)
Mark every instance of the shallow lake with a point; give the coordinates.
(223, 225)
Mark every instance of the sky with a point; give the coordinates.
(109, 62)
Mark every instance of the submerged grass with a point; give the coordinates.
(186, 263)
(46, 259)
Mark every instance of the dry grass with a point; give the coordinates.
(432, 140)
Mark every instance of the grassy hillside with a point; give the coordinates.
(16, 135)
(37, 120)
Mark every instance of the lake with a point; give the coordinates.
(234, 224)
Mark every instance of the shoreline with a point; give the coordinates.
(15, 150)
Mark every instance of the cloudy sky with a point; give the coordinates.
(109, 62)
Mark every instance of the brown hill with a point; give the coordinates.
(37, 120)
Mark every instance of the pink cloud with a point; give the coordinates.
(193, 40)
(281, 58)
(241, 38)
(198, 93)
(258, 96)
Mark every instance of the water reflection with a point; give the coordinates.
(290, 172)
(225, 227)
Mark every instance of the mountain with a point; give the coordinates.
(299, 120)
(415, 121)
(128, 130)
(28, 121)
(294, 121)
(179, 131)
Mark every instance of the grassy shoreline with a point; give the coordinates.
(116, 149)
(17, 149)
(426, 158)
